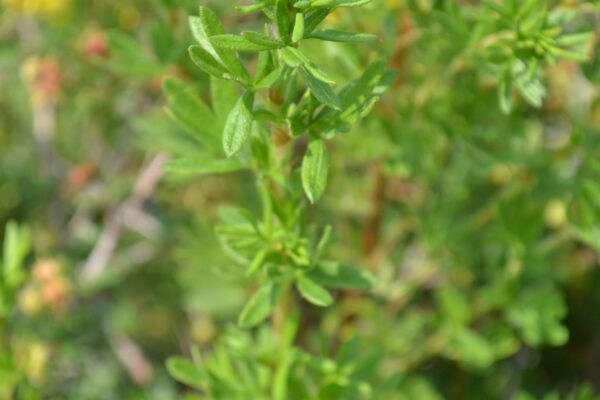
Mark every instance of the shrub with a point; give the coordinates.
(361, 199)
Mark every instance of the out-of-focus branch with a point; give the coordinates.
(44, 127)
(133, 359)
(105, 247)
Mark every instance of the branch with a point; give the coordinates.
(105, 247)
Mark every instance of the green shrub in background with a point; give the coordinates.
(442, 246)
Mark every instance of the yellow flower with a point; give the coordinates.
(392, 3)
(555, 213)
(39, 354)
(46, 8)
(30, 301)
(500, 174)
(129, 17)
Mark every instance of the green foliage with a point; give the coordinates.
(299, 199)
(277, 250)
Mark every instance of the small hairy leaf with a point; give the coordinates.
(315, 168)
(313, 18)
(258, 307)
(261, 39)
(294, 58)
(223, 94)
(208, 25)
(339, 3)
(202, 166)
(129, 57)
(238, 125)
(271, 79)
(207, 63)
(16, 246)
(282, 17)
(314, 293)
(298, 32)
(333, 35)
(185, 371)
(339, 276)
(191, 112)
(321, 90)
(238, 43)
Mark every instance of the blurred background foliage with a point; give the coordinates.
(472, 192)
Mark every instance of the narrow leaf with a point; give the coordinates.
(257, 261)
(186, 372)
(16, 246)
(282, 17)
(238, 43)
(321, 90)
(298, 32)
(339, 3)
(315, 168)
(238, 125)
(191, 113)
(263, 40)
(223, 94)
(313, 18)
(258, 307)
(333, 35)
(264, 64)
(204, 27)
(339, 276)
(207, 63)
(271, 79)
(295, 58)
(314, 293)
(202, 166)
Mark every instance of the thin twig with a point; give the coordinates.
(109, 237)
(133, 359)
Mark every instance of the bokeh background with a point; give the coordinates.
(482, 226)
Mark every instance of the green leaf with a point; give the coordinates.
(223, 94)
(185, 371)
(315, 168)
(259, 306)
(257, 261)
(314, 293)
(280, 383)
(203, 166)
(238, 126)
(207, 63)
(200, 34)
(298, 32)
(264, 64)
(263, 40)
(210, 23)
(238, 43)
(358, 97)
(129, 57)
(252, 7)
(204, 27)
(294, 58)
(189, 111)
(575, 38)
(469, 347)
(271, 79)
(17, 241)
(321, 90)
(313, 18)
(339, 276)
(505, 98)
(338, 3)
(282, 17)
(333, 35)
